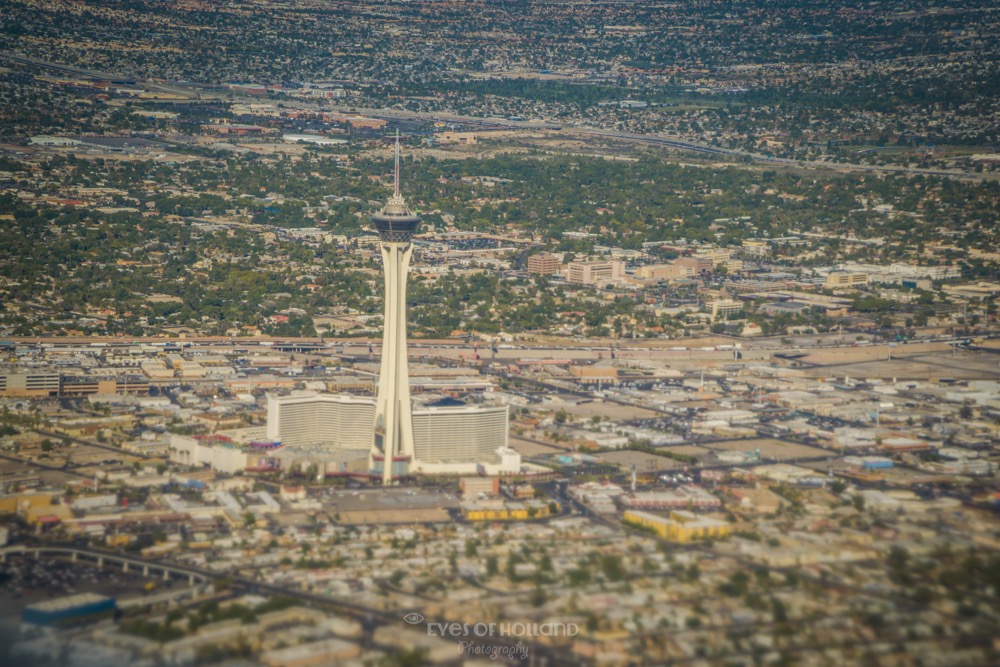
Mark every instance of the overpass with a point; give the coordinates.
(100, 558)
(369, 617)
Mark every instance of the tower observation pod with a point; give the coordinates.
(392, 448)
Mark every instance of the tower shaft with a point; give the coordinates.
(393, 413)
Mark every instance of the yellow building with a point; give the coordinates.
(22, 502)
(47, 516)
(115, 541)
(82, 427)
(682, 526)
(501, 510)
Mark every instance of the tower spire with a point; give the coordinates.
(397, 164)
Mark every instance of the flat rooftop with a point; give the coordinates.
(391, 516)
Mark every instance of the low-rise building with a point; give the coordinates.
(324, 652)
(756, 248)
(682, 526)
(473, 487)
(29, 383)
(594, 271)
(216, 452)
(685, 497)
(68, 611)
(503, 510)
(722, 309)
(842, 279)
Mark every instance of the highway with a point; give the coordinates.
(369, 617)
(196, 91)
(45, 466)
(674, 142)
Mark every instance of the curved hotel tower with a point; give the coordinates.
(392, 447)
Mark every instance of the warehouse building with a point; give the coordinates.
(681, 527)
(67, 612)
(504, 510)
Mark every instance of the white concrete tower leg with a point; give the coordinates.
(383, 417)
(405, 409)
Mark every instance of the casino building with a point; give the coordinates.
(335, 431)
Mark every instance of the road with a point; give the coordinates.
(196, 91)
(674, 142)
(44, 466)
(369, 617)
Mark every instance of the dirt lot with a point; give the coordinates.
(923, 366)
(391, 506)
(648, 462)
(769, 448)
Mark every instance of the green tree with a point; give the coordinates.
(611, 566)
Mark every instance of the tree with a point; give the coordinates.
(416, 657)
(923, 596)
(578, 577)
(898, 557)
(545, 564)
(611, 566)
(512, 563)
(471, 547)
(736, 586)
(779, 611)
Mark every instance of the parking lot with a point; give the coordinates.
(25, 580)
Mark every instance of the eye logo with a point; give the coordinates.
(413, 618)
